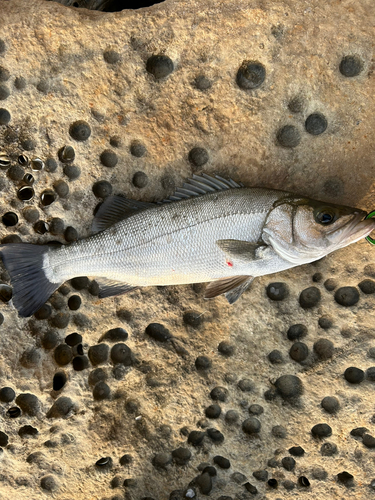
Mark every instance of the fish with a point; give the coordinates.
(211, 230)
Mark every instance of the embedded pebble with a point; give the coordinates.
(289, 386)
(80, 130)
(160, 66)
(347, 296)
(330, 404)
(321, 430)
(354, 375)
(324, 349)
(310, 297)
(296, 332)
(277, 291)
(140, 179)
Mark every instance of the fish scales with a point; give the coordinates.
(174, 243)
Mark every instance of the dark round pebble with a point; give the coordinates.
(296, 105)
(97, 375)
(193, 318)
(222, 462)
(296, 451)
(245, 384)
(73, 339)
(370, 374)
(288, 485)
(59, 380)
(158, 332)
(16, 173)
(310, 297)
(368, 440)
(347, 296)
(321, 431)
(195, 438)
(140, 180)
(272, 483)
(63, 354)
(48, 483)
(296, 332)
(275, 357)
(43, 86)
(80, 363)
(109, 158)
(115, 141)
(4, 116)
(20, 83)
(28, 403)
(56, 226)
(330, 404)
(181, 456)
(367, 286)
(198, 157)
(324, 349)
(50, 339)
(121, 353)
(288, 463)
(98, 354)
(330, 284)
(261, 475)
(288, 136)
(61, 408)
(61, 188)
(316, 124)
(101, 391)
(219, 394)
(203, 363)
(30, 358)
(325, 322)
(277, 291)
(215, 435)
(279, 431)
(61, 320)
(126, 460)
(72, 171)
(80, 130)
(213, 411)
(74, 302)
(204, 483)
(102, 189)
(299, 351)
(4, 74)
(10, 219)
(50, 165)
(289, 386)
(28, 144)
(111, 56)
(138, 149)
(354, 375)
(351, 66)
(30, 214)
(358, 432)
(255, 409)
(328, 449)
(251, 425)
(226, 348)
(7, 394)
(250, 488)
(250, 75)
(201, 82)
(345, 478)
(232, 417)
(160, 66)
(4, 92)
(11, 238)
(80, 283)
(115, 335)
(66, 154)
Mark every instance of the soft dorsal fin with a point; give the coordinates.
(202, 184)
(116, 208)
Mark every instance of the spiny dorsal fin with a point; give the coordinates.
(116, 208)
(202, 184)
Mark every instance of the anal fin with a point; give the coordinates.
(232, 287)
(110, 288)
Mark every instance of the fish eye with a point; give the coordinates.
(325, 216)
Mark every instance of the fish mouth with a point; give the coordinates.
(353, 231)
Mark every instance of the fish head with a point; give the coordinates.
(301, 230)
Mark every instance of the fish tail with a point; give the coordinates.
(31, 276)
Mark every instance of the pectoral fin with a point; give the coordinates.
(233, 287)
(243, 250)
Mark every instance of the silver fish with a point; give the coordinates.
(211, 230)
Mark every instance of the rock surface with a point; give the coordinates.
(80, 78)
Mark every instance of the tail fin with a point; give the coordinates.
(27, 266)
